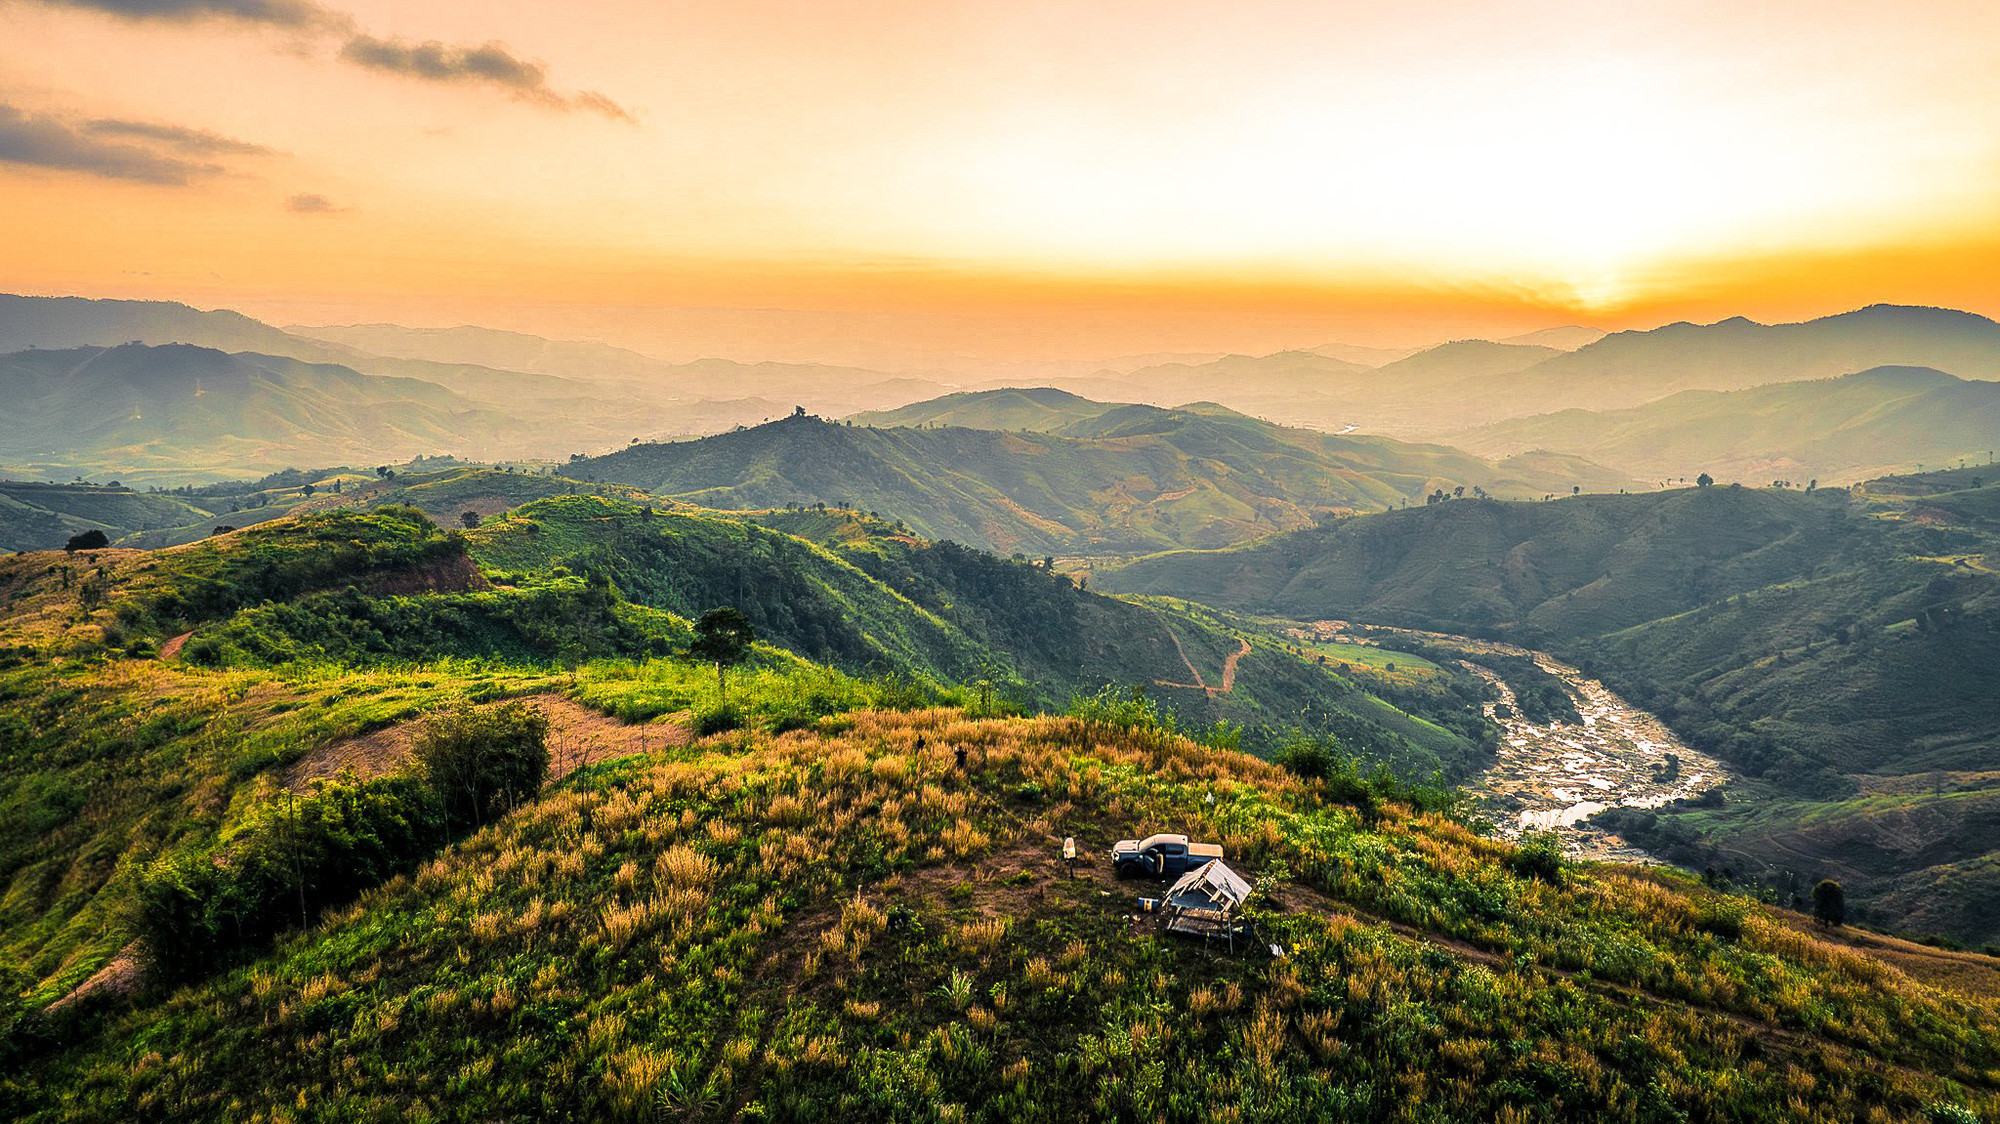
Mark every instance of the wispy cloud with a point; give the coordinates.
(197, 142)
(490, 63)
(290, 15)
(42, 140)
(308, 203)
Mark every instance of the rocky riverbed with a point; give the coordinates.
(1555, 777)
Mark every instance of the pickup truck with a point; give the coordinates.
(1160, 855)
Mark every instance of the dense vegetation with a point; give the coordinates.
(1836, 646)
(845, 923)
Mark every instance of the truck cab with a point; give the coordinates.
(1160, 855)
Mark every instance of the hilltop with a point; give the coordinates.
(1828, 645)
(841, 922)
(1123, 479)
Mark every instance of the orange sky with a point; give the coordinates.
(932, 182)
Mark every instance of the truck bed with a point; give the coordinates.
(1205, 850)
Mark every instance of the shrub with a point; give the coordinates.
(1539, 856)
(480, 760)
(197, 909)
(715, 717)
(1122, 709)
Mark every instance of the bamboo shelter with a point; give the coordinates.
(1207, 903)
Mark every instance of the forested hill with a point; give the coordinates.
(1127, 480)
(1821, 642)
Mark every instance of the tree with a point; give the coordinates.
(1829, 903)
(89, 540)
(1704, 480)
(479, 760)
(468, 519)
(722, 637)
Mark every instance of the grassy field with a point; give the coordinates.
(841, 922)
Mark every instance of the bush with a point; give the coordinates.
(1539, 856)
(1310, 758)
(1122, 709)
(715, 717)
(481, 760)
(197, 909)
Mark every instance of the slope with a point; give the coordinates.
(1813, 641)
(1130, 479)
(841, 923)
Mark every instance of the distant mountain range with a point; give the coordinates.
(148, 412)
(1441, 391)
(1066, 475)
(1834, 430)
(512, 395)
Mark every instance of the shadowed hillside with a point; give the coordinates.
(1814, 641)
(1127, 479)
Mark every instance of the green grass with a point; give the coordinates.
(844, 925)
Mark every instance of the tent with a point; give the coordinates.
(1205, 902)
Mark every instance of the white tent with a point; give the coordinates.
(1205, 900)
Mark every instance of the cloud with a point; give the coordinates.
(307, 203)
(195, 142)
(40, 140)
(490, 63)
(291, 15)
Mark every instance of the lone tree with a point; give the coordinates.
(468, 519)
(1829, 903)
(1704, 480)
(722, 637)
(89, 540)
(481, 760)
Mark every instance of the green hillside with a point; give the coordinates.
(1126, 480)
(1832, 430)
(146, 696)
(1813, 641)
(36, 516)
(843, 924)
(791, 895)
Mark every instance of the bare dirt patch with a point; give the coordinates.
(173, 646)
(578, 736)
(120, 977)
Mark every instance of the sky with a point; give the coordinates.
(935, 183)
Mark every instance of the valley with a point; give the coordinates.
(1557, 776)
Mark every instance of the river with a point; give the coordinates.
(1555, 777)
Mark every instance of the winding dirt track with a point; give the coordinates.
(1200, 684)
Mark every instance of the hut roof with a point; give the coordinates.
(1211, 884)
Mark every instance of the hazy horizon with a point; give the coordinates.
(904, 185)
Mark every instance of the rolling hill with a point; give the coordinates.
(1815, 641)
(231, 886)
(1124, 480)
(1837, 431)
(161, 413)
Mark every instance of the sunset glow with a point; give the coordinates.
(1006, 180)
